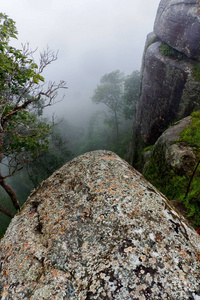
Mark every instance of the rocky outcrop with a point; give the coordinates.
(172, 166)
(178, 24)
(170, 84)
(176, 155)
(96, 229)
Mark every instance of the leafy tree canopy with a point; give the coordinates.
(23, 93)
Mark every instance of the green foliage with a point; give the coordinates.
(148, 148)
(174, 185)
(163, 177)
(196, 72)
(23, 136)
(26, 134)
(168, 51)
(191, 135)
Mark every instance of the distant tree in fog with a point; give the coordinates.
(110, 92)
(131, 94)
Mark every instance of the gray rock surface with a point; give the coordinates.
(178, 24)
(169, 89)
(96, 229)
(178, 157)
(163, 82)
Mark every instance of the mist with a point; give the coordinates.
(93, 37)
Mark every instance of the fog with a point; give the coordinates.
(93, 37)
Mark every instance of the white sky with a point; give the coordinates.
(93, 37)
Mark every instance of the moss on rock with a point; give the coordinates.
(172, 163)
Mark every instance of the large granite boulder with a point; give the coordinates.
(170, 85)
(163, 82)
(96, 229)
(178, 24)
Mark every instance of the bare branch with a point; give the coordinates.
(6, 212)
(10, 192)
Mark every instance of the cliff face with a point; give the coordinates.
(170, 85)
(177, 24)
(96, 229)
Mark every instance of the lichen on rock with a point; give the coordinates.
(96, 229)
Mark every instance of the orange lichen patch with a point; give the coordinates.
(167, 266)
(101, 217)
(29, 215)
(112, 216)
(143, 258)
(84, 254)
(182, 277)
(44, 207)
(153, 260)
(102, 275)
(6, 273)
(55, 273)
(161, 215)
(59, 218)
(183, 253)
(42, 278)
(6, 287)
(4, 293)
(106, 157)
(97, 191)
(129, 249)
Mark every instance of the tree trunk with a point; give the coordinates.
(4, 185)
(117, 128)
(10, 192)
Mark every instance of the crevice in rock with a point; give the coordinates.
(39, 224)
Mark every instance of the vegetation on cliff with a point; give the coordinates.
(175, 184)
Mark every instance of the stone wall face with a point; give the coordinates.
(169, 89)
(178, 24)
(96, 229)
(163, 83)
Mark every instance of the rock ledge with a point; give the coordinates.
(96, 229)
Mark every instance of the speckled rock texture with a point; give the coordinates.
(178, 24)
(96, 229)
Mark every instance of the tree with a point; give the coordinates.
(131, 94)
(22, 91)
(110, 92)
